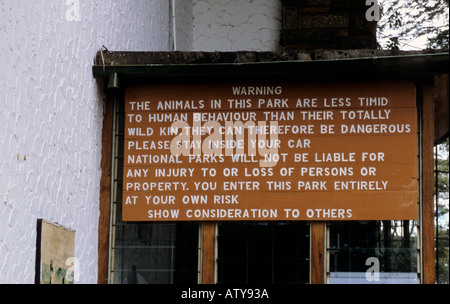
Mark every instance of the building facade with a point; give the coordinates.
(61, 142)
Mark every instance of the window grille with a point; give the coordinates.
(258, 253)
(146, 252)
(373, 252)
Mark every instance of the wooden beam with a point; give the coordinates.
(428, 256)
(105, 192)
(208, 252)
(317, 253)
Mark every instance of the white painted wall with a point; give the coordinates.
(236, 25)
(51, 111)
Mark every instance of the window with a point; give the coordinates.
(372, 252)
(155, 253)
(150, 253)
(263, 252)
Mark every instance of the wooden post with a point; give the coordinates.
(317, 253)
(105, 192)
(208, 252)
(428, 256)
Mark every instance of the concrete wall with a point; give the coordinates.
(51, 111)
(236, 25)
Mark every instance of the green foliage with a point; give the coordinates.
(405, 22)
(442, 257)
(442, 212)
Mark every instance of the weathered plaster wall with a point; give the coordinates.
(181, 28)
(51, 111)
(236, 25)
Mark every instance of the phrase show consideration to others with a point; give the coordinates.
(227, 152)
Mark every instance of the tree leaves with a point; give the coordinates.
(405, 21)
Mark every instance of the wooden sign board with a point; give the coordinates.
(290, 151)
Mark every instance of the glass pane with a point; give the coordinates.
(373, 252)
(154, 253)
(263, 252)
